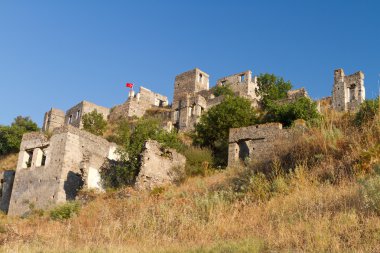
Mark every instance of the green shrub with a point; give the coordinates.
(370, 193)
(65, 211)
(223, 90)
(10, 136)
(271, 88)
(367, 112)
(303, 108)
(132, 137)
(213, 129)
(198, 161)
(94, 122)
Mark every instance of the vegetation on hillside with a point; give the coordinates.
(10, 136)
(94, 122)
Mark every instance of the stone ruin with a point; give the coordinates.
(257, 143)
(348, 91)
(159, 166)
(57, 118)
(50, 171)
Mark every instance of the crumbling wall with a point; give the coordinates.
(348, 91)
(256, 143)
(6, 184)
(138, 104)
(75, 114)
(159, 166)
(241, 83)
(189, 83)
(53, 119)
(52, 171)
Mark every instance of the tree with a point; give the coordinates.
(368, 111)
(94, 122)
(213, 129)
(224, 90)
(303, 108)
(11, 136)
(132, 137)
(271, 88)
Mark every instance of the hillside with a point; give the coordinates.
(321, 195)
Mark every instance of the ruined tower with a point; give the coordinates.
(53, 119)
(188, 104)
(348, 91)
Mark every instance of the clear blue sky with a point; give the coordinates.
(57, 53)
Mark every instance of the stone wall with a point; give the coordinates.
(348, 91)
(6, 184)
(189, 83)
(52, 171)
(53, 119)
(241, 83)
(138, 104)
(74, 115)
(256, 143)
(159, 166)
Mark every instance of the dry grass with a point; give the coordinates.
(8, 162)
(206, 215)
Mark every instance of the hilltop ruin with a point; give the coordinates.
(51, 170)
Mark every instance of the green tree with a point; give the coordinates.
(224, 90)
(271, 88)
(132, 140)
(94, 122)
(303, 108)
(213, 129)
(367, 111)
(11, 136)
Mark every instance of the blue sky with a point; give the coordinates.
(58, 53)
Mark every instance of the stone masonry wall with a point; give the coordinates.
(74, 115)
(348, 91)
(53, 119)
(52, 171)
(7, 178)
(256, 143)
(159, 166)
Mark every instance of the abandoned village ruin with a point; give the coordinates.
(52, 170)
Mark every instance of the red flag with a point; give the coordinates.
(129, 85)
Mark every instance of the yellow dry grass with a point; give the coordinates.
(8, 162)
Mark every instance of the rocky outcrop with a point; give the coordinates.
(159, 166)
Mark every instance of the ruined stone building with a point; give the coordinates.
(192, 95)
(348, 91)
(57, 118)
(51, 171)
(137, 104)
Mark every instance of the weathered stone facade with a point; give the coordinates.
(348, 91)
(57, 118)
(242, 84)
(256, 143)
(159, 166)
(53, 119)
(51, 171)
(138, 104)
(192, 95)
(75, 114)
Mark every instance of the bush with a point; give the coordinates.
(223, 90)
(65, 211)
(132, 137)
(367, 112)
(271, 88)
(198, 161)
(370, 193)
(10, 136)
(303, 108)
(213, 129)
(94, 123)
